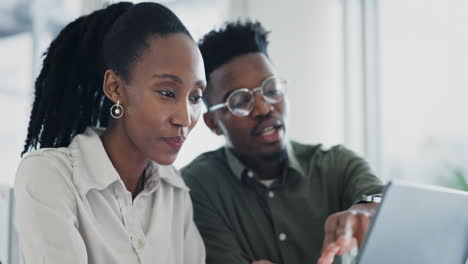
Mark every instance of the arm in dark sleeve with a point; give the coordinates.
(357, 177)
(220, 241)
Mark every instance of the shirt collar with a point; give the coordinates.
(92, 168)
(167, 173)
(293, 163)
(238, 168)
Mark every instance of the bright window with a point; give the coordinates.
(424, 78)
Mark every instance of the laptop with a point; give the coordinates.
(418, 224)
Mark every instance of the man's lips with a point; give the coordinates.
(270, 134)
(267, 127)
(269, 131)
(175, 142)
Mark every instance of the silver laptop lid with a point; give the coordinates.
(417, 224)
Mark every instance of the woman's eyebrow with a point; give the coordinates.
(172, 77)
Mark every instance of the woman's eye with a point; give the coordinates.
(167, 93)
(196, 99)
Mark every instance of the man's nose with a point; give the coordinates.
(261, 107)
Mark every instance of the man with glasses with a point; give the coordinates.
(262, 198)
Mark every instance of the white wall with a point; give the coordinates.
(424, 84)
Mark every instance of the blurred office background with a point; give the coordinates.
(387, 78)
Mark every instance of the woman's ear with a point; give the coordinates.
(113, 86)
(208, 117)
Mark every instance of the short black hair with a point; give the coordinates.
(234, 39)
(68, 93)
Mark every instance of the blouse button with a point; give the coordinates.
(140, 244)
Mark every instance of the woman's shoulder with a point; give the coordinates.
(45, 169)
(58, 154)
(59, 158)
(44, 182)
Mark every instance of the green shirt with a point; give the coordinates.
(242, 220)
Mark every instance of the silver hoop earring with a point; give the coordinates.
(117, 110)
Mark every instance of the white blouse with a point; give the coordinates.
(72, 207)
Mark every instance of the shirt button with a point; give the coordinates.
(282, 237)
(140, 244)
(250, 174)
(271, 194)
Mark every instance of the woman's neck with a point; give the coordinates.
(127, 160)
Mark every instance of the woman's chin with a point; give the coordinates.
(166, 160)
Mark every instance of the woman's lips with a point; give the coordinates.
(175, 142)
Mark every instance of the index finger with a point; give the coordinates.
(328, 254)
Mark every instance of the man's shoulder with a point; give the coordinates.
(304, 152)
(318, 148)
(319, 153)
(209, 173)
(303, 149)
(205, 162)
